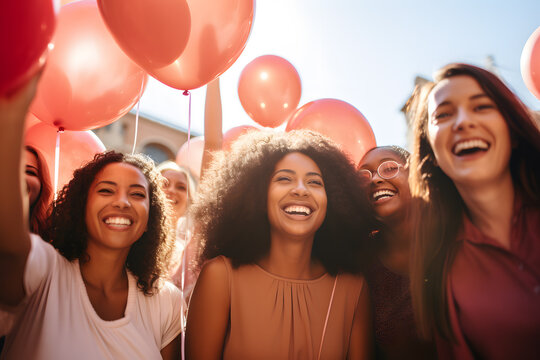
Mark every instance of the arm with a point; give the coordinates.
(361, 341)
(208, 315)
(14, 234)
(213, 134)
(172, 351)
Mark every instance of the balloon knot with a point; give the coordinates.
(186, 93)
(60, 129)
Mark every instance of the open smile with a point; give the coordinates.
(118, 222)
(470, 147)
(382, 195)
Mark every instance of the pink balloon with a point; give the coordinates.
(219, 32)
(30, 121)
(269, 90)
(530, 63)
(26, 28)
(192, 158)
(153, 35)
(88, 82)
(76, 149)
(234, 133)
(339, 121)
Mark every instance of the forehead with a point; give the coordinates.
(122, 174)
(297, 162)
(173, 175)
(452, 89)
(377, 156)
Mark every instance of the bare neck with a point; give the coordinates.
(396, 250)
(106, 269)
(291, 258)
(490, 207)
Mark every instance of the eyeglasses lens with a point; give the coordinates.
(388, 169)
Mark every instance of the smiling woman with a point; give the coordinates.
(475, 272)
(93, 289)
(284, 231)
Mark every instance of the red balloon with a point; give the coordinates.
(76, 149)
(339, 121)
(152, 35)
(530, 63)
(269, 89)
(30, 121)
(192, 159)
(219, 32)
(88, 82)
(233, 134)
(26, 28)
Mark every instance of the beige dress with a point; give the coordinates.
(272, 317)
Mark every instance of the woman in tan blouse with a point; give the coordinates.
(283, 226)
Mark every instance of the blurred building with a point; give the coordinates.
(158, 139)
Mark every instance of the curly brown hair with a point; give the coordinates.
(67, 231)
(231, 210)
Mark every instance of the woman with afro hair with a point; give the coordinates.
(284, 232)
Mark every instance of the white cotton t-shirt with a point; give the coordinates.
(58, 321)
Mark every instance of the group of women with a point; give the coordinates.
(301, 253)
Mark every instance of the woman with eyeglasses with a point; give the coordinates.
(475, 272)
(385, 172)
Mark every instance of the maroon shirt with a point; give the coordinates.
(396, 336)
(494, 293)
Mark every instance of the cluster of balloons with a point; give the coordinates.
(269, 89)
(98, 55)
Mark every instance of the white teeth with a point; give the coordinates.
(298, 209)
(383, 193)
(470, 144)
(117, 221)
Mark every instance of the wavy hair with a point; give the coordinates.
(149, 255)
(440, 202)
(39, 209)
(231, 211)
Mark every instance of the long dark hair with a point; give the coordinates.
(231, 210)
(149, 256)
(440, 202)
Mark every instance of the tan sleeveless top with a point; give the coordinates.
(272, 317)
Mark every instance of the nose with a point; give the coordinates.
(121, 201)
(300, 189)
(375, 178)
(463, 120)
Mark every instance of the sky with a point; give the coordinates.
(366, 53)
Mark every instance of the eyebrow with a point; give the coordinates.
(381, 161)
(115, 184)
(311, 173)
(474, 97)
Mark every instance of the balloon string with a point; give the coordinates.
(184, 257)
(137, 118)
(57, 160)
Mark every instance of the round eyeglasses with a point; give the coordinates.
(387, 170)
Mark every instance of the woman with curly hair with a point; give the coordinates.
(476, 272)
(96, 292)
(284, 233)
(385, 170)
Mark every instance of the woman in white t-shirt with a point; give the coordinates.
(93, 289)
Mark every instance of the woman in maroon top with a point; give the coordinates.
(386, 172)
(476, 267)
